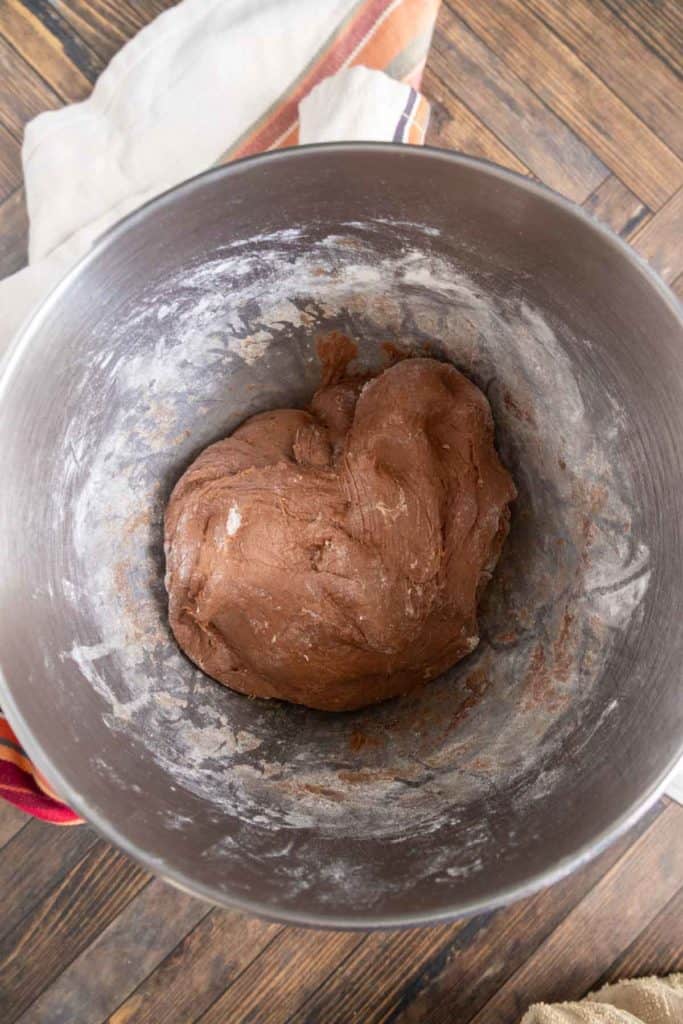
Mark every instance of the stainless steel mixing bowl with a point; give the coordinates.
(202, 308)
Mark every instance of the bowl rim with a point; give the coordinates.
(367, 919)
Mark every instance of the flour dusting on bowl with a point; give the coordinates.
(236, 336)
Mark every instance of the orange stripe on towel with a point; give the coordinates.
(402, 23)
(376, 33)
(16, 757)
(330, 58)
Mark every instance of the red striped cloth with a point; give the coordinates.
(386, 35)
(23, 785)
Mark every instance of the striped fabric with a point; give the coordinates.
(391, 36)
(23, 785)
(387, 35)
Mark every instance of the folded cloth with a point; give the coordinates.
(639, 1001)
(23, 785)
(206, 82)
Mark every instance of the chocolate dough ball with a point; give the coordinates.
(335, 557)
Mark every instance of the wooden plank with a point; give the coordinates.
(48, 938)
(621, 59)
(615, 205)
(288, 971)
(23, 93)
(10, 165)
(660, 240)
(13, 231)
(658, 23)
(453, 126)
(34, 862)
(455, 986)
(576, 94)
(198, 970)
(657, 950)
(512, 111)
(609, 918)
(120, 959)
(45, 40)
(11, 820)
(365, 986)
(105, 25)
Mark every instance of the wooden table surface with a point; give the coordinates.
(586, 96)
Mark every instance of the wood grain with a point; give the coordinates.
(660, 241)
(285, 974)
(122, 956)
(519, 118)
(657, 950)
(10, 165)
(621, 59)
(105, 25)
(40, 37)
(598, 928)
(11, 820)
(454, 126)
(13, 229)
(48, 938)
(616, 206)
(198, 971)
(365, 986)
(658, 23)
(33, 863)
(581, 99)
(23, 93)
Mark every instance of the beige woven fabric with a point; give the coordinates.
(639, 1001)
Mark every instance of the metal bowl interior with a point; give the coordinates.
(201, 309)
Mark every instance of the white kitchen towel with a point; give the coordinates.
(638, 1001)
(204, 83)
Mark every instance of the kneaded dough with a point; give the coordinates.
(334, 557)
